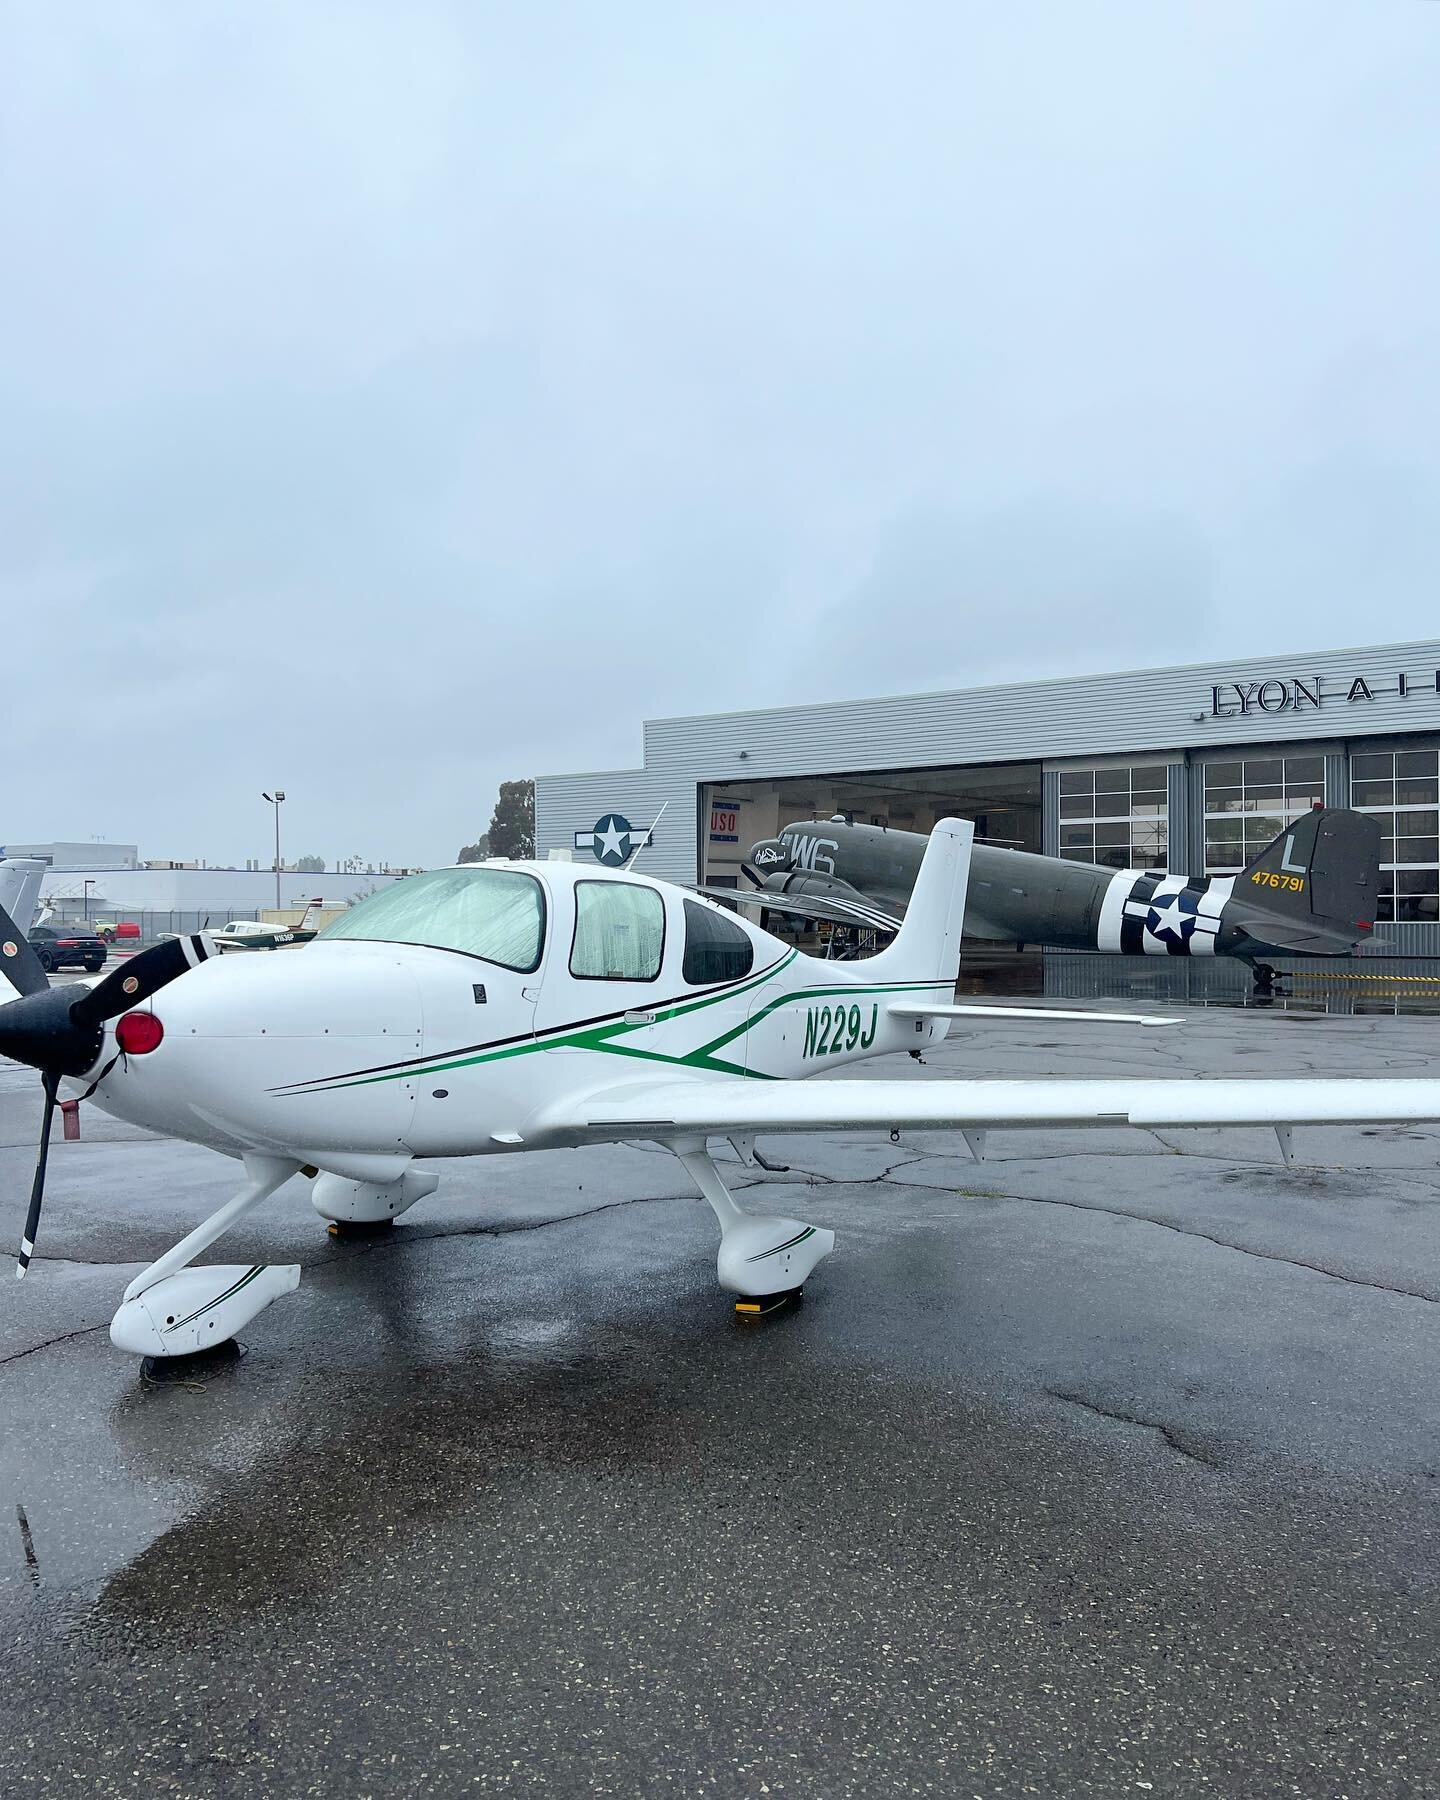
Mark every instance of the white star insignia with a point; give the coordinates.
(611, 839)
(1171, 917)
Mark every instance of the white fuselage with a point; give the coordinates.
(360, 1055)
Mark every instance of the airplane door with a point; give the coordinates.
(612, 944)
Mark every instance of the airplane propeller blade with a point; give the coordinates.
(141, 977)
(19, 965)
(51, 1082)
(61, 1031)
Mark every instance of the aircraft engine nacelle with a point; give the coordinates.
(771, 856)
(283, 1053)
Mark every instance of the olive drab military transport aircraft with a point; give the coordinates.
(1312, 892)
(499, 1008)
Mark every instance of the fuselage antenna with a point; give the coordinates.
(647, 838)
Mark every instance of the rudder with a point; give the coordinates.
(1325, 867)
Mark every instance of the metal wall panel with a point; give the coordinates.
(1141, 712)
(568, 804)
(1050, 812)
(1405, 938)
(1195, 819)
(1337, 778)
(1178, 781)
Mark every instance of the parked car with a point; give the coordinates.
(111, 929)
(67, 946)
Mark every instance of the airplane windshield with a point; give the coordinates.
(495, 914)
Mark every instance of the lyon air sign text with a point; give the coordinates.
(1232, 699)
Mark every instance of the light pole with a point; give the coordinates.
(275, 800)
(85, 888)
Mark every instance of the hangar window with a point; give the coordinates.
(619, 932)
(1400, 789)
(1249, 801)
(495, 914)
(1116, 817)
(716, 948)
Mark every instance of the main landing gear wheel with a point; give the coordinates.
(755, 1249)
(194, 1367)
(755, 1307)
(344, 1230)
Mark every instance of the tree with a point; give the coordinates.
(309, 865)
(512, 825)
(476, 852)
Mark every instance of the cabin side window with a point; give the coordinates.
(619, 932)
(716, 948)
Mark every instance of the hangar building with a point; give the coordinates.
(1193, 769)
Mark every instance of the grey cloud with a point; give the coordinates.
(408, 398)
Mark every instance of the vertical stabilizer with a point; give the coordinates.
(927, 946)
(20, 971)
(1316, 887)
(20, 878)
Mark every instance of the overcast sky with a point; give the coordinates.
(397, 398)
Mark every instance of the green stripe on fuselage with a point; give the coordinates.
(602, 1036)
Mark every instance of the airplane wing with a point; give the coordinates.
(836, 911)
(905, 1010)
(728, 1106)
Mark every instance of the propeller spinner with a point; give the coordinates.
(60, 1031)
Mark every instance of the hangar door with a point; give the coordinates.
(1003, 800)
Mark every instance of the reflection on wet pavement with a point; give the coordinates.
(1111, 1460)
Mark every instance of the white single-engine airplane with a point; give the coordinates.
(503, 1007)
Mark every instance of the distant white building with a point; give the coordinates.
(78, 856)
(245, 892)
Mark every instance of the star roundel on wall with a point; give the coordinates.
(613, 841)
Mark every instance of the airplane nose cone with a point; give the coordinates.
(39, 1030)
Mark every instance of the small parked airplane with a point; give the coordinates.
(255, 934)
(497, 1008)
(1311, 892)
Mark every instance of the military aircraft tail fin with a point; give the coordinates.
(1321, 873)
(927, 945)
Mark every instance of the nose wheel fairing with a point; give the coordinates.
(193, 1311)
(171, 1309)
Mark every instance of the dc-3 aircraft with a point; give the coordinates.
(498, 1008)
(1311, 892)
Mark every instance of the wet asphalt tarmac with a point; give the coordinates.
(1108, 1466)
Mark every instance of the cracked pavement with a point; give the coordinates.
(1107, 1464)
